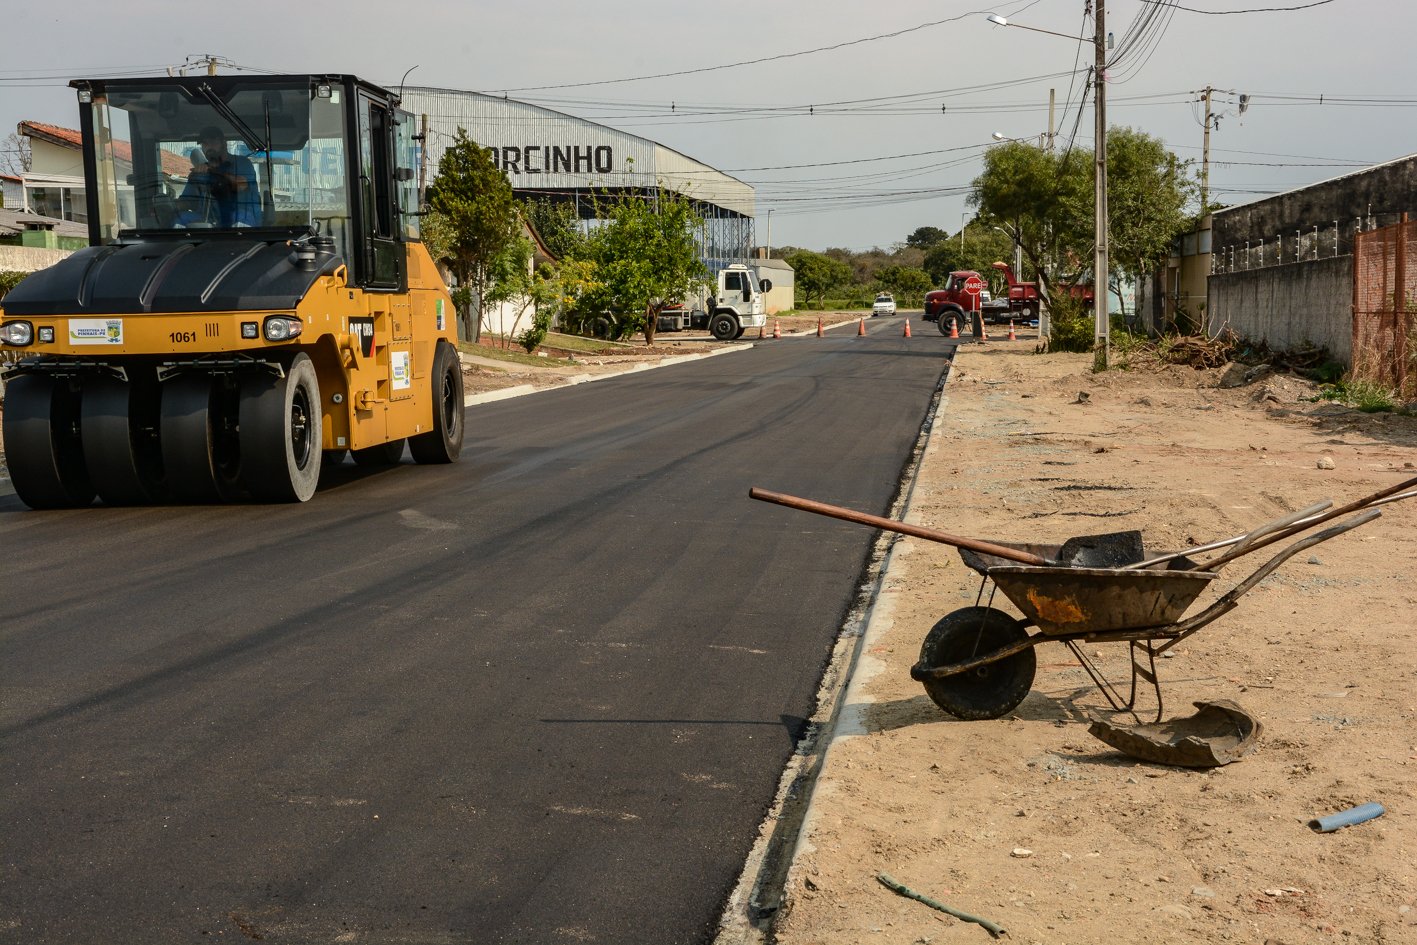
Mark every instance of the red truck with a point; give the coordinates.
(1023, 299)
(953, 300)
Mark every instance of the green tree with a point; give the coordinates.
(983, 245)
(1047, 199)
(1044, 199)
(816, 275)
(475, 200)
(1148, 188)
(646, 255)
(905, 282)
(941, 260)
(511, 282)
(556, 222)
(925, 237)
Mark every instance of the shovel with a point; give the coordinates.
(1086, 551)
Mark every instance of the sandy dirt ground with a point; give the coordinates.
(1029, 821)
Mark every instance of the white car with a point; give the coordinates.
(885, 305)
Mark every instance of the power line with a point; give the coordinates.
(1306, 6)
(754, 62)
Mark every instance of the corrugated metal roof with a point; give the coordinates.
(542, 149)
(17, 221)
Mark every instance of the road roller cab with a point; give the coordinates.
(254, 304)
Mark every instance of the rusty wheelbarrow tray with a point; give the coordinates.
(978, 662)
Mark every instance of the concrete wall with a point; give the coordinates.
(28, 258)
(1374, 195)
(1286, 306)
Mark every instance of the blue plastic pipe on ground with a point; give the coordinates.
(1346, 818)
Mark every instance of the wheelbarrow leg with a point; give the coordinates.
(1147, 672)
(1110, 692)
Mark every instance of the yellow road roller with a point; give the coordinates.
(255, 300)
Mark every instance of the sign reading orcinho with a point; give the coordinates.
(553, 158)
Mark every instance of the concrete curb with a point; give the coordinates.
(744, 920)
(849, 720)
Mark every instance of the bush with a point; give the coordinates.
(8, 280)
(532, 338)
(1070, 325)
(1361, 395)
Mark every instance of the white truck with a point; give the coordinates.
(738, 303)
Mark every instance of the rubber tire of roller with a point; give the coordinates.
(43, 449)
(190, 415)
(119, 465)
(443, 443)
(281, 433)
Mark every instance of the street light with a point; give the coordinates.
(1100, 336)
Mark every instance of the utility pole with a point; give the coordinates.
(1100, 339)
(1205, 151)
(210, 59)
(1052, 101)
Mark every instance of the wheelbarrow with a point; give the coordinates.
(979, 663)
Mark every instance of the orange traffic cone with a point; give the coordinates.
(1012, 336)
(777, 328)
(983, 330)
(819, 327)
(954, 327)
(861, 327)
(907, 328)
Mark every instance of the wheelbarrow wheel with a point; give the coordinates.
(988, 691)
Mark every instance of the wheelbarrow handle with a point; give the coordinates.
(891, 525)
(1240, 541)
(1227, 601)
(1304, 525)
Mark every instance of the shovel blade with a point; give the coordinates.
(1112, 550)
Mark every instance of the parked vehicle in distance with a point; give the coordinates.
(884, 305)
(737, 303)
(1024, 301)
(953, 300)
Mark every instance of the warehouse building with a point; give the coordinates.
(555, 156)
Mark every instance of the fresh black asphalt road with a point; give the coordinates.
(543, 695)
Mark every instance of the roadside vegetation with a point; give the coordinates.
(1366, 396)
(610, 280)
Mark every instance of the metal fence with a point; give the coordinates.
(1321, 240)
(1385, 307)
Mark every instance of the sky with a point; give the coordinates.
(857, 123)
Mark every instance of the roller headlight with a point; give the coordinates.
(17, 333)
(282, 327)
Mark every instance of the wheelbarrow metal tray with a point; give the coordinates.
(984, 563)
(1063, 601)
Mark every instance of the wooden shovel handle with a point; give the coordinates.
(891, 525)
